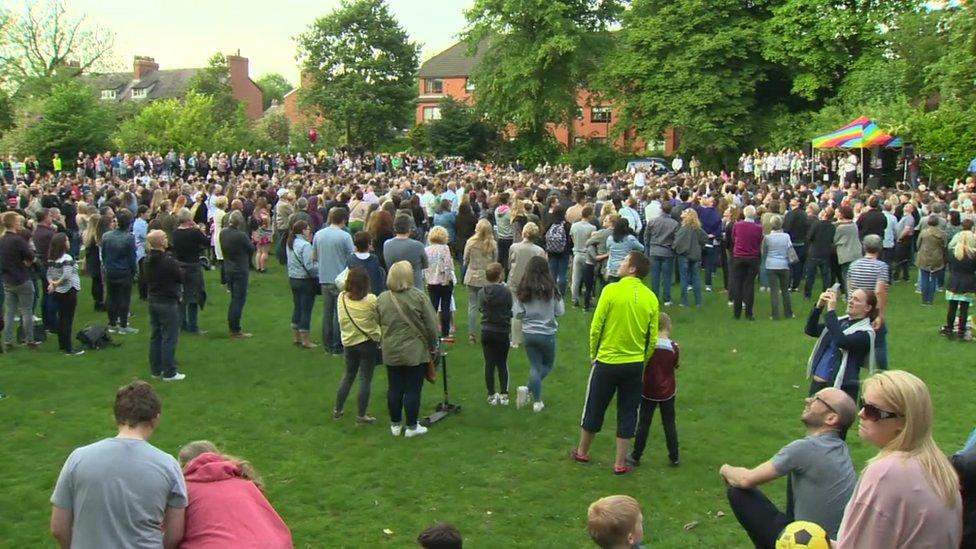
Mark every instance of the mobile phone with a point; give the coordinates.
(835, 288)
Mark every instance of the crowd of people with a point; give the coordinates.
(387, 240)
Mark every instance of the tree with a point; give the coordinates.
(70, 119)
(44, 41)
(819, 40)
(273, 88)
(276, 127)
(214, 81)
(537, 54)
(362, 69)
(953, 73)
(459, 132)
(690, 64)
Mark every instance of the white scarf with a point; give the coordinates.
(863, 325)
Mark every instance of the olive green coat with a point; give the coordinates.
(402, 344)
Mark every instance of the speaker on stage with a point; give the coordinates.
(908, 150)
(808, 149)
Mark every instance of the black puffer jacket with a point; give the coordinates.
(495, 304)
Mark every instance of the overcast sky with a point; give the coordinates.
(185, 33)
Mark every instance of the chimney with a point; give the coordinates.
(142, 65)
(238, 67)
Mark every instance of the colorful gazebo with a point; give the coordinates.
(860, 133)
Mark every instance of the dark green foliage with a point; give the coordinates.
(362, 68)
(273, 86)
(599, 156)
(214, 81)
(459, 132)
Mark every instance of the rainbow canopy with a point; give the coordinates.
(860, 133)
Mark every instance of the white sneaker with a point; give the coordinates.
(79, 352)
(503, 400)
(112, 329)
(493, 400)
(176, 377)
(396, 429)
(538, 406)
(416, 431)
(128, 330)
(708, 288)
(667, 303)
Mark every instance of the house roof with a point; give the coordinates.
(453, 61)
(161, 84)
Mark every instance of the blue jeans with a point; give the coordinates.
(558, 266)
(813, 265)
(188, 317)
(164, 323)
(690, 277)
(541, 350)
(331, 336)
(661, 268)
(881, 347)
(710, 259)
(796, 269)
(303, 291)
(237, 284)
(928, 281)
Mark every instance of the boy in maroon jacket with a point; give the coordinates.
(659, 389)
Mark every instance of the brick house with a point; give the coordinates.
(448, 74)
(147, 82)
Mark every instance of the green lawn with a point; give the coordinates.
(500, 474)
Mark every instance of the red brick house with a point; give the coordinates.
(448, 73)
(147, 82)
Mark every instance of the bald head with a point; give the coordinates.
(156, 240)
(842, 405)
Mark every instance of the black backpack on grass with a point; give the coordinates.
(96, 337)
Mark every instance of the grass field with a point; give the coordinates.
(500, 474)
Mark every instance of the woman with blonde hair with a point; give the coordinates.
(227, 506)
(480, 251)
(689, 240)
(908, 495)
(961, 287)
(440, 277)
(409, 336)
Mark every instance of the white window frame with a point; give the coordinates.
(432, 113)
(140, 93)
(607, 111)
(468, 85)
(109, 94)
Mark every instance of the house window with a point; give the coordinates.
(600, 114)
(108, 94)
(139, 93)
(579, 113)
(579, 140)
(433, 86)
(468, 85)
(598, 140)
(432, 113)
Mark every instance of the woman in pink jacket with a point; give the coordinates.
(227, 508)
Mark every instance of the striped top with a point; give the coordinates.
(64, 271)
(864, 273)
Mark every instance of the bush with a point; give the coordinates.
(600, 156)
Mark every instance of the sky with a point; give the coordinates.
(185, 33)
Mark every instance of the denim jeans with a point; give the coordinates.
(813, 265)
(541, 350)
(189, 312)
(661, 269)
(589, 284)
(18, 300)
(928, 281)
(796, 269)
(331, 336)
(690, 276)
(361, 359)
(710, 260)
(881, 347)
(118, 290)
(558, 266)
(237, 284)
(164, 324)
(403, 394)
(303, 291)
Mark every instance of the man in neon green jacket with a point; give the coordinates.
(622, 334)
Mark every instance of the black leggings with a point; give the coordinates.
(67, 303)
(645, 416)
(440, 297)
(494, 345)
(963, 310)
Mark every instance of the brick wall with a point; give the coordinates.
(245, 90)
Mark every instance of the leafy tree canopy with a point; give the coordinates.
(459, 132)
(214, 81)
(273, 86)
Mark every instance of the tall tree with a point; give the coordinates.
(820, 40)
(362, 69)
(273, 86)
(43, 41)
(459, 132)
(689, 64)
(214, 81)
(537, 55)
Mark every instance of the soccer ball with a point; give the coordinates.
(803, 535)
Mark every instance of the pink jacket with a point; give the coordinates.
(227, 511)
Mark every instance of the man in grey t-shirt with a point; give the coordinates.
(403, 248)
(122, 491)
(821, 474)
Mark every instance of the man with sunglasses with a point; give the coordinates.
(821, 474)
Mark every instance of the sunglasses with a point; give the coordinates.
(824, 402)
(874, 413)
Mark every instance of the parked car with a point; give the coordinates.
(657, 166)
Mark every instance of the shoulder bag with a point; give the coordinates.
(432, 362)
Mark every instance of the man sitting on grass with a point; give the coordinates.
(616, 522)
(821, 474)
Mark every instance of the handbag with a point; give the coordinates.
(431, 375)
(791, 255)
